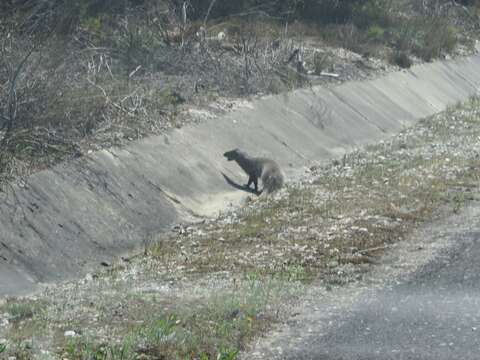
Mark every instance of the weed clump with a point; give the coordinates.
(401, 59)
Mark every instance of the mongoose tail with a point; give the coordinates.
(265, 169)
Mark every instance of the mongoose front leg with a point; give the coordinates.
(251, 180)
(255, 182)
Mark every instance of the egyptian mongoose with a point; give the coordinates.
(256, 167)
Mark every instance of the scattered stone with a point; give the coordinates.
(332, 264)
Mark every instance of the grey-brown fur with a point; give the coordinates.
(258, 168)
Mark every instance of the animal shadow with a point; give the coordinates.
(240, 187)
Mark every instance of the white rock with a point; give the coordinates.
(69, 333)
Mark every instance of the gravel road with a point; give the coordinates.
(424, 305)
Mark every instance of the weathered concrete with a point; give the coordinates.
(78, 214)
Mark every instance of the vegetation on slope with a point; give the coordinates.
(76, 76)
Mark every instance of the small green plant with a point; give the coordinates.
(92, 24)
(401, 59)
(322, 62)
(70, 347)
(204, 356)
(227, 354)
(3, 348)
(375, 33)
(19, 311)
(373, 12)
(437, 38)
(84, 349)
(78, 348)
(160, 330)
(294, 273)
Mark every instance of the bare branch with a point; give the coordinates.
(208, 13)
(12, 98)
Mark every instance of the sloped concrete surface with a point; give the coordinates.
(72, 217)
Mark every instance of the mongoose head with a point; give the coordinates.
(232, 154)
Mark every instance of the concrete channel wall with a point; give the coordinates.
(68, 219)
